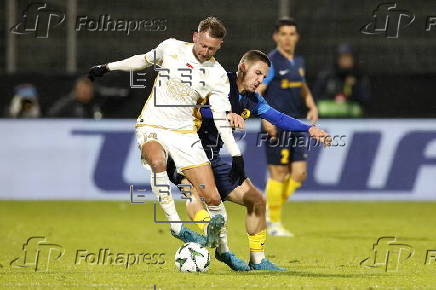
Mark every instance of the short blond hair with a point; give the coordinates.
(214, 26)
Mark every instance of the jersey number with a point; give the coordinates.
(285, 156)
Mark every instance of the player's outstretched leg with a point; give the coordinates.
(185, 234)
(154, 155)
(188, 236)
(278, 189)
(231, 260)
(203, 181)
(250, 197)
(223, 253)
(197, 212)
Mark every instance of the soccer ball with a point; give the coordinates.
(192, 257)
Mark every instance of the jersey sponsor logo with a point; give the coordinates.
(283, 72)
(287, 84)
(246, 113)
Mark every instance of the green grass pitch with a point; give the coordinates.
(332, 238)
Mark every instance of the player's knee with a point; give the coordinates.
(260, 202)
(213, 199)
(279, 176)
(300, 175)
(263, 200)
(257, 201)
(278, 173)
(158, 164)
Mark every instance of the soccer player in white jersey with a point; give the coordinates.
(189, 76)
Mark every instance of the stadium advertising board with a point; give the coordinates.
(99, 160)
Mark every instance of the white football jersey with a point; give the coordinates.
(182, 83)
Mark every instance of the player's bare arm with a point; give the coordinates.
(312, 113)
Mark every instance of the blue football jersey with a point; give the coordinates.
(285, 80)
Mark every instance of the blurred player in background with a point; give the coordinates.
(252, 69)
(189, 76)
(285, 89)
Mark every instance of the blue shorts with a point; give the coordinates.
(221, 170)
(287, 148)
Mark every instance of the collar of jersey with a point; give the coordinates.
(290, 61)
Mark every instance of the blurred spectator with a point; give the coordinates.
(343, 90)
(79, 103)
(24, 104)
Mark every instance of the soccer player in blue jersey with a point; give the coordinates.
(252, 69)
(285, 89)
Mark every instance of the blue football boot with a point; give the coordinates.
(232, 261)
(187, 235)
(213, 231)
(265, 265)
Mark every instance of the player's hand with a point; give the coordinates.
(312, 115)
(97, 71)
(320, 135)
(236, 121)
(270, 129)
(238, 171)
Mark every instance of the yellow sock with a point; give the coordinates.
(274, 191)
(256, 242)
(290, 187)
(201, 215)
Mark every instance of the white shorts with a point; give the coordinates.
(184, 148)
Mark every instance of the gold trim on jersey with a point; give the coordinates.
(149, 97)
(160, 127)
(198, 119)
(193, 166)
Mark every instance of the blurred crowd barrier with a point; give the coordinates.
(122, 95)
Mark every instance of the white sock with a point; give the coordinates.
(224, 246)
(256, 257)
(160, 185)
(215, 210)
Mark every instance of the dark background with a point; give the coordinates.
(402, 71)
